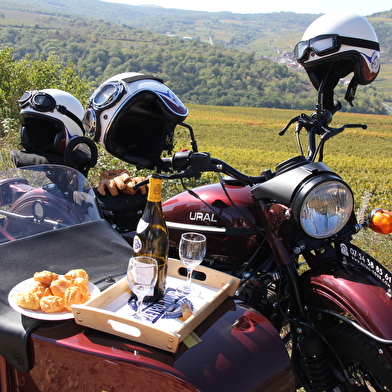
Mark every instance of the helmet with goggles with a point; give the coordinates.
(335, 45)
(133, 116)
(50, 119)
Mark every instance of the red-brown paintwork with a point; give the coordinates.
(232, 246)
(239, 351)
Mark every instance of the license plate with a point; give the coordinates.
(365, 261)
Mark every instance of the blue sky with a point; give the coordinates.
(262, 6)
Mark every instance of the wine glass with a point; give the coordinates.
(192, 250)
(142, 274)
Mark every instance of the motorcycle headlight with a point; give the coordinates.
(322, 206)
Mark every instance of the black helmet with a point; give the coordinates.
(133, 117)
(335, 45)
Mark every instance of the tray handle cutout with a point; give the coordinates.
(124, 328)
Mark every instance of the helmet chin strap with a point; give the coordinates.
(326, 92)
(351, 90)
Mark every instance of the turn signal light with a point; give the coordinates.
(380, 221)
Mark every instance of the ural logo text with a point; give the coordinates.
(202, 216)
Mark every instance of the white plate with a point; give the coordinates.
(37, 314)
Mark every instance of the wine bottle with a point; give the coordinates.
(151, 238)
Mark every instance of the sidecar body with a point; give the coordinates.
(232, 349)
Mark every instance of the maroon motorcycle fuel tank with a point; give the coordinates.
(229, 220)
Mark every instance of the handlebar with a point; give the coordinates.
(188, 164)
(316, 124)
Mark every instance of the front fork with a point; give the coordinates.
(312, 369)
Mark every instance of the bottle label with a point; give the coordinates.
(155, 190)
(137, 244)
(141, 226)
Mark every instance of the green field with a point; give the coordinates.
(247, 138)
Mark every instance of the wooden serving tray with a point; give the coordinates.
(110, 312)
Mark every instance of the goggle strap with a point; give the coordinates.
(63, 110)
(362, 43)
(141, 77)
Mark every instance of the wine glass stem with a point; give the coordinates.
(189, 277)
(139, 307)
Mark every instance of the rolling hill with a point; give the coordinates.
(104, 38)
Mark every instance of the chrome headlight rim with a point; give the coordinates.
(305, 194)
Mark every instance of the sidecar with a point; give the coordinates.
(50, 221)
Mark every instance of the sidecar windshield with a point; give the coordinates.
(39, 198)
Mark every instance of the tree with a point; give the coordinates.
(27, 74)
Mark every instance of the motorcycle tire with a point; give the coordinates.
(361, 357)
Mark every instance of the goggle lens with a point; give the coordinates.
(108, 95)
(323, 44)
(90, 122)
(43, 102)
(39, 101)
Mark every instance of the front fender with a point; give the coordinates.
(351, 290)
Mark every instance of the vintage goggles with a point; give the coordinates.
(104, 98)
(44, 102)
(327, 44)
(108, 95)
(38, 100)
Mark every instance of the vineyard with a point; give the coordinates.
(248, 139)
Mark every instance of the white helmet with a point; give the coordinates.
(133, 117)
(50, 119)
(337, 44)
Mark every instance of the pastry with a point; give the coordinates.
(59, 286)
(72, 296)
(52, 304)
(53, 293)
(82, 284)
(41, 289)
(45, 277)
(76, 273)
(28, 300)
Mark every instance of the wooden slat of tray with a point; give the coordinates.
(92, 314)
(213, 278)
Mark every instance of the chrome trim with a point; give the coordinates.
(188, 227)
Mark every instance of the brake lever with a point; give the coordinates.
(292, 121)
(330, 132)
(140, 184)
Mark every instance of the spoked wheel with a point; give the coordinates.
(361, 358)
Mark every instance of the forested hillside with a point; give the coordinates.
(197, 71)
(268, 34)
